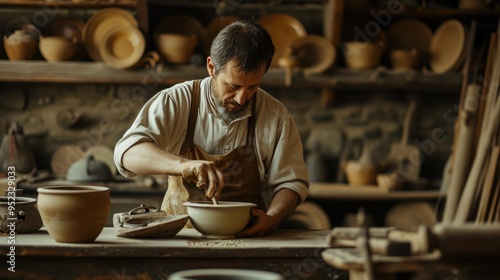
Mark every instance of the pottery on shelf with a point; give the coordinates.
(20, 45)
(58, 48)
(362, 55)
(74, 214)
(176, 48)
(364, 170)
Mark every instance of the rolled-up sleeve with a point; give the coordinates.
(154, 124)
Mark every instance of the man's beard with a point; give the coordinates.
(226, 115)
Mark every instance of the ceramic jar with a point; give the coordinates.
(364, 170)
(26, 219)
(20, 45)
(74, 214)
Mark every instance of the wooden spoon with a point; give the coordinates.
(214, 200)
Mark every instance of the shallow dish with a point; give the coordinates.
(99, 23)
(122, 47)
(314, 53)
(284, 30)
(447, 47)
(220, 221)
(166, 226)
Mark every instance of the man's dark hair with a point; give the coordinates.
(248, 44)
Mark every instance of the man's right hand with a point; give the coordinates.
(205, 175)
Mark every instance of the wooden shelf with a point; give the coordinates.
(337, 191)
(85, 4)
(431, 13)
(98, 72)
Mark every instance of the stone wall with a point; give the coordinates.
(106, 111)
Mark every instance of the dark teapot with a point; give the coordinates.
(15, 151)
(89, 169)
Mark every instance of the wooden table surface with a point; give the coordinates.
(292, 253)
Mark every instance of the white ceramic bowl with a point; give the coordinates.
(225, 273)
(221, 221)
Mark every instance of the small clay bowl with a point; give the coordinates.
(176, 48)
(362, 55)
(58, 48)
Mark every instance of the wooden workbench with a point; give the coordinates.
(295, 254)
(429, 264)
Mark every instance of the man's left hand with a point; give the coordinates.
(260, 224)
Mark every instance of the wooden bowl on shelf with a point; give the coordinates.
(362, 55)
(176, 48)
(58, 48)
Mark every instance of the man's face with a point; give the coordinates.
(233, 88)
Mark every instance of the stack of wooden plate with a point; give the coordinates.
(111, 35)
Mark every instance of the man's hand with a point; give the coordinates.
(205, 175)
(261, 223)
(282, 206)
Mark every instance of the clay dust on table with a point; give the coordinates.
(220, 243)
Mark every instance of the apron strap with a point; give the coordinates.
(193, 115)
(251, 128)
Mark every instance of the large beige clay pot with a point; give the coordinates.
(20, 45)
(220, 221)
(74, 214)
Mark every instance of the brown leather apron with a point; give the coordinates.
(240, 168)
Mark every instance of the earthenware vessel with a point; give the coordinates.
(25, 216)
(220, 221)
(58, 48)
(362, 55)
(176, 48)
(74, 214)
(20, 45)
(364, 170)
